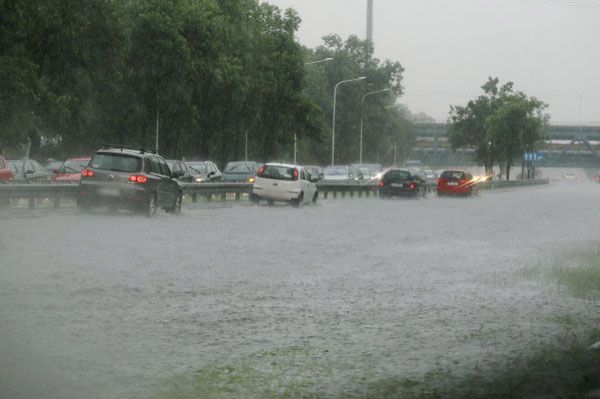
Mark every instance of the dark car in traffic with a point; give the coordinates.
(133, 179)
(240, 172)
(456, 182)
(401, 183)
(29, 171)
(204, 172)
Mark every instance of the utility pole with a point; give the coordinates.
(370, 21)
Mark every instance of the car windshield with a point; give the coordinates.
(17, 166)
(336, 171)
(451, 175)
(197, 167)
(73, 166)
(116, 162)
(241, 168)
(278, 172)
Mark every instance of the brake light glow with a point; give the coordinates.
(412, 186)
(381, 184)
(261, 171)
(295, 174)
(87, 173)
(138, 179)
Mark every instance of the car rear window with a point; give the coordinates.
(452, 174)
(278, 172)
(116, 162)
(397, 175)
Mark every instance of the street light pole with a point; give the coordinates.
(362, 119)
(333, 123)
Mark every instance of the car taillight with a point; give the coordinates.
(381, 184)
(412, 186)
(295, 174)
(261, 171)
(87, 173)
(138, 179)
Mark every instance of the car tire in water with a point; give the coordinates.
(151, 206)
(298, 201)
(176, 208)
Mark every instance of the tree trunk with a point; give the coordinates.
(508, 165)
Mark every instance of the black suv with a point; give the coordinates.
(134, 179)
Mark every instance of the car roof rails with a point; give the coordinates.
(122, 147)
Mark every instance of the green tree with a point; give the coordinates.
(500, 125)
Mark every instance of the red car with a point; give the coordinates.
(6, 173)
(70, 170)
(456, 182)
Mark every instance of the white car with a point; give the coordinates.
(284, 182)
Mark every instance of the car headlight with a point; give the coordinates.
(199, 179)
(251, 180)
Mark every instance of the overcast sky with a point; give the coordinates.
(549, 48)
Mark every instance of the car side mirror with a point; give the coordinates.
(28, 172)
(55, 171)
(176, 175)
(314, 179)
(212, 173)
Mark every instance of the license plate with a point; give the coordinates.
(109, 192)
(399, 185)
(453, 183)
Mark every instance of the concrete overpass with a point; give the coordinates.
(564, 145)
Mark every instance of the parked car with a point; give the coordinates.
(414, 166)
(284, 182)
(52, 165)
(134, 179)
(6, 172)
(369, 171)
(401, 183)
(342, 174)
(456, 182)
(70, 170)
(204, 171)
(240, 172)
(571, 177)
(315, 171)
(29, 171)
(180, 169)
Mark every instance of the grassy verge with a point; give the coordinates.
(563, 369)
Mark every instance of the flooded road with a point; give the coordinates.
(324, 299)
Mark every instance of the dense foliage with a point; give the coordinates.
(205, 73)
(500, 124)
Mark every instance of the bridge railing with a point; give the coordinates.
(35, 196)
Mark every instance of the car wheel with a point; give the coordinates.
(176, 208)
(151, 206)
(298, 201)
(315, 197)
(254, 198)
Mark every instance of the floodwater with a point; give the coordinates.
(324, 299)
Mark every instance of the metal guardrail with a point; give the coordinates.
(54, 194)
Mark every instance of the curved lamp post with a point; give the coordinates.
(333, 123)
(362, 119)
